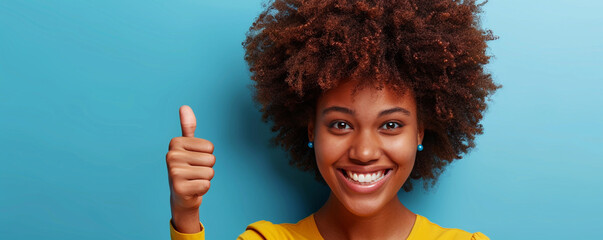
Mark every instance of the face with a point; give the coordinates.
(365, 144)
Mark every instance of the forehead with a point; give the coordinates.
(353, 95)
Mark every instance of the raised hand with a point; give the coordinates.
(189, 162)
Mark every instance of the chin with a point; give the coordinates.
(364, 207)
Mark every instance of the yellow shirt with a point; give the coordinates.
(306, 228)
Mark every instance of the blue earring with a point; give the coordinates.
(420, 147)
(311, 144)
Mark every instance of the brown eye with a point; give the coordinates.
(340, 125)
(391, 125)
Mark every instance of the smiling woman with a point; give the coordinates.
(366, 144)
(367, 94)
(368, 141)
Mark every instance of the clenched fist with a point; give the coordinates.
(189, 163)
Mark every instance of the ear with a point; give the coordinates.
(420, 134)
(311, 129)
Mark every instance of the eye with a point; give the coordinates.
(391, 125)
(340, 125)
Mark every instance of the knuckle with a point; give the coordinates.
(211, 161)
(212, 173)
(205, 185)
(169, 156)
(207, 146)
(175, 172)
(175, 142)
(172, 156)
(210, 147)
(179, 189)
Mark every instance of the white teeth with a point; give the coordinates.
(365, 178)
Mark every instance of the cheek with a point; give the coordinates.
(329, 149)
(402, 151)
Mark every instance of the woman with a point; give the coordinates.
(366, 94)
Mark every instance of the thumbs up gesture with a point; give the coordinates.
(189, 162)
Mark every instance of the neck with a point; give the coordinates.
(393, 221)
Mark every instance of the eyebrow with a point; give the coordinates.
(394, 110)
(351, 112)
(338, 109)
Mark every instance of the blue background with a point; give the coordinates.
(89, 98)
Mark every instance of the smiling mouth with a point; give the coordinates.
(365, 178)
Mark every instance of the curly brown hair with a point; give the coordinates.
(298, 49)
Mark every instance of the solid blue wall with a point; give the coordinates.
(89, 98)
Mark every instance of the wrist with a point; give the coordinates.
(186, 220)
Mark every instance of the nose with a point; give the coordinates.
(365, 148)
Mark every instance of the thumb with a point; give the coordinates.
(188, 122)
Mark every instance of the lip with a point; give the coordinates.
(363, 189)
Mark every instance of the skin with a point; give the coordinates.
(357, 132)
(371, 129)
(190, 162)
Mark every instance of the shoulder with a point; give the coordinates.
(425, 229)
(304, 229)
(263, 230)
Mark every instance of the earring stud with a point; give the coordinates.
(420, 147)
(311, 144)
